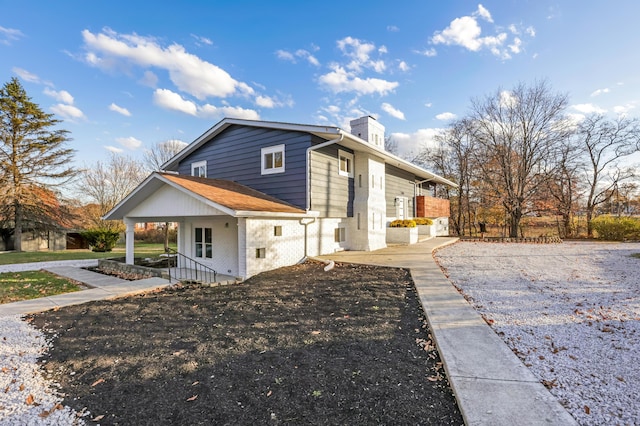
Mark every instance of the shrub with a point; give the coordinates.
(407, 223)
(101, 240)
(423, 221)
(155, 236)
(616, 228)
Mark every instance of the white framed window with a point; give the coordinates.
(345, 163)
(272, 159)
(340, 235)
(204, 243)
(199, 168)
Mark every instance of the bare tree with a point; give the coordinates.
(33, 162)
(451, 158)
(516, 135)
(106, 184)
(605, 142)
(162, 152)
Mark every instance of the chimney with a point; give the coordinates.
(369, 129)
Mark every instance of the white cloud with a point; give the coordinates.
(531, 31)
(60, 96)
(114, 149)
(389, 109)
(109, 50)
(515, 47)
(483, 13)
(129, 142)
(465, 31)
(402, 66)
(120, 110)
(588, 109)
(507, 99)
(624, 109)
(339, 80)
(211, 111)
(409, 144)
(149, 79)
(265, 102)
(173, 101)
(428, 104)
(202, 40)
(67, 111)
(446, 116)
(392, 28)
(7, 35)
(26, 75)
(360, 54)
(167, 99)
(600, 92)
(300, 53)
(429, 53)
(287, 56)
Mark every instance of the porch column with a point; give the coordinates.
(129, 239)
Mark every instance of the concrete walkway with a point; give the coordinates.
(491, 384)
(101, 287)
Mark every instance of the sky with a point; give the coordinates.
(123, 76)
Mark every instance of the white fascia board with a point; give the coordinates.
(242, 213)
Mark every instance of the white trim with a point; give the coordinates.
(272, 150)
(349, 157)
(197, 165)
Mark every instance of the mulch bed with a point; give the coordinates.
(297, 345)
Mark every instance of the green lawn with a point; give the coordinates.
(141, 250)
(16, 286)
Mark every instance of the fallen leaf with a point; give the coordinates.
(21, 388)
(44, 414)
(98, 418)
(269, 393)
(315, 332)
(5, 370)
(195, 383)
(29, 400)
(587, 410)
(193, 398)
(97, 382)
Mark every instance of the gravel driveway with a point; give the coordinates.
(570, 311)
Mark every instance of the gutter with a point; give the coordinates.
(313, 148)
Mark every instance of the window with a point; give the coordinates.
(345, 163)
(204, 243)
(340, 235)
(261, 253)
(277, 231)
(272, 159)
(199, 169)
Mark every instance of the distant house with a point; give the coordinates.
(251, 196)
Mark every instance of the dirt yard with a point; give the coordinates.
(293, 346)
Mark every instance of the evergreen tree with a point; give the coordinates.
(33, 160)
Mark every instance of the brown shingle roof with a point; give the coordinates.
(232, 195)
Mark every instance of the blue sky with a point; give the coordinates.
(125, 75)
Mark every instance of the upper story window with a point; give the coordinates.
(345, 163)
(272, 159)
(199, 168)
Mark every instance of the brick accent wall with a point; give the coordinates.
(431, 207)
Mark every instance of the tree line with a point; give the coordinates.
(519, 153)
(42, 190)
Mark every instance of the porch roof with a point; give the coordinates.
(226, 196)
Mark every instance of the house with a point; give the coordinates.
(251, 196)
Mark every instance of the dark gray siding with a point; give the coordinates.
(331, 194)
(234, 155)
(398, 184)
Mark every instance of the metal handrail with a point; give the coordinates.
(192, 268)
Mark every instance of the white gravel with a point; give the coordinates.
(26, 397)
(570, 311)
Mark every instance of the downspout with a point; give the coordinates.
(313, 148)
(303, 222)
